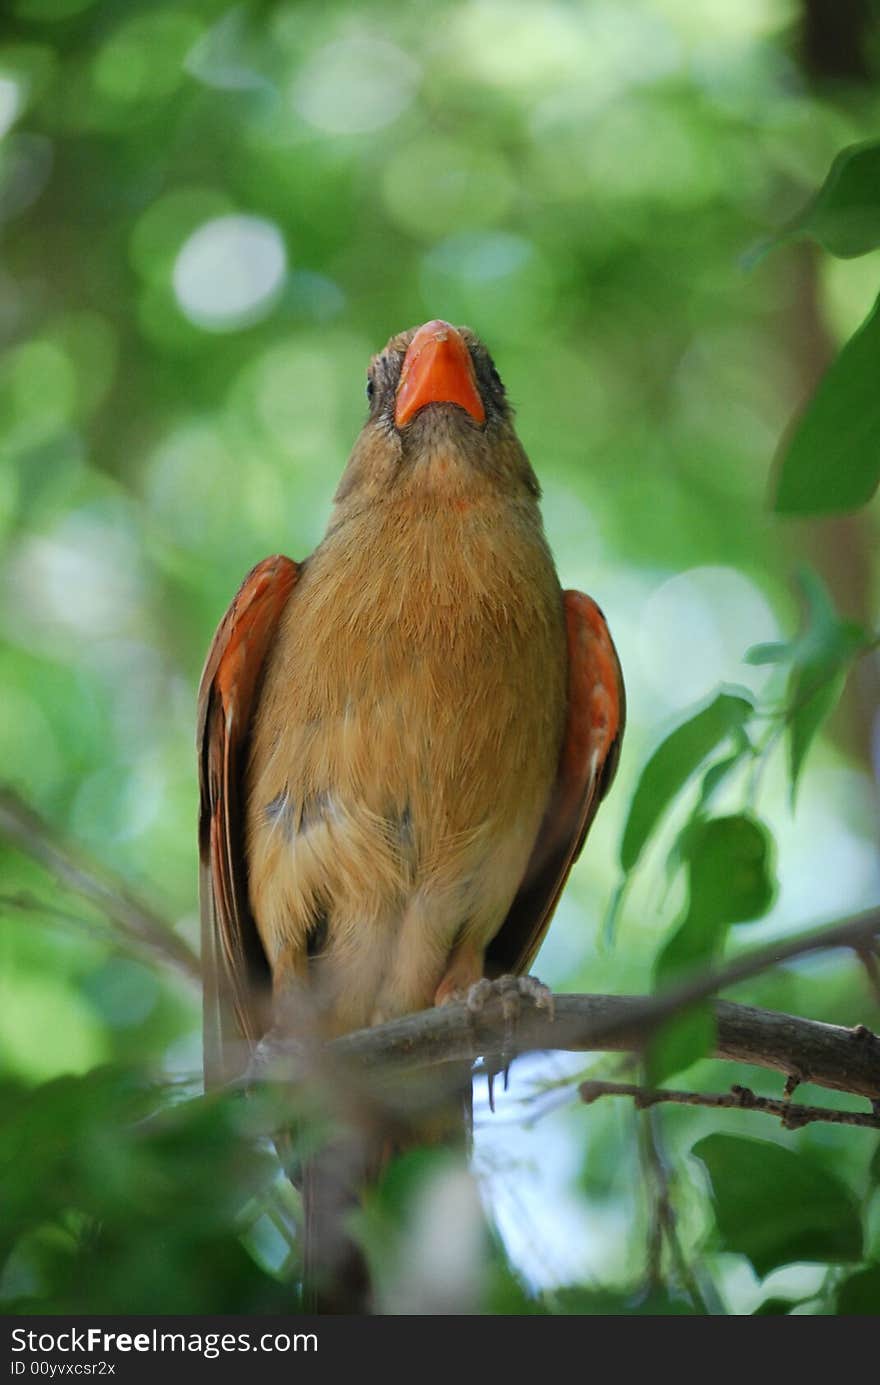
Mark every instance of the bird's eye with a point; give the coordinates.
(371, 388)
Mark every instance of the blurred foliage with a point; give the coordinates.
(833, 460)
(844, 215)
(672, 764)
(819, 659)
(211, 216)
(776, 1206)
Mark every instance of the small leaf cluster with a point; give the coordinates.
(831, 461)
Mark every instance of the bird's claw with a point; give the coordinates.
(477, 995)
(511, 990)
(540, 995)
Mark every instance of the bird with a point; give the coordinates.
(403, 739)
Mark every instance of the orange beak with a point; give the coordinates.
(437, 369)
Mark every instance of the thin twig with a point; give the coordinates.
(868, 957)
(657, 1195)
(663, 1220)
(23, 902)
(133, 919)
(98, 929)
(854, 932)
(738, 1098)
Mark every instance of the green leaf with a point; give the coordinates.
(832, 460)
(776, 653)
(717, 773)
(672, 764)
(776, 1206)
(612, 913)
(730, 870)
(812, 710)
(693, 945)
(730, 880)
(820, 658)
(859, 1295)
(775, 1307)
(682, 1041)
(844, 215)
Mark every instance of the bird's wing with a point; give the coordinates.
(587, 764)
(235, 969)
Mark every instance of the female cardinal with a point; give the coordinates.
(403, 739)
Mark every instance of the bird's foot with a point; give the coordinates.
(511, 990)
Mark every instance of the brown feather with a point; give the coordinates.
(237, 980)
(587, 764)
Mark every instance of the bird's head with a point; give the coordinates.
(439, 417)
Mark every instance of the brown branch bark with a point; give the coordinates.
(828, 1055)
(793, 1116)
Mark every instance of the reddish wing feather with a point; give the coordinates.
(587, 763)
(236, 973)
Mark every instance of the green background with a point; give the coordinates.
(211, 216)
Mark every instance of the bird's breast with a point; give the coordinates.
(411, 716)
(410, 639)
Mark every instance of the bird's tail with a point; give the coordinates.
(335, 1273)
(334, 1182)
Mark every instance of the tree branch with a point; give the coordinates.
(738, 1098)
(829, 1055)
(135, 921)
(855, 932)
(847, 1060)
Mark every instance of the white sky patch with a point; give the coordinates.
(229, 272)
(528, 1178)
(355, 85)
